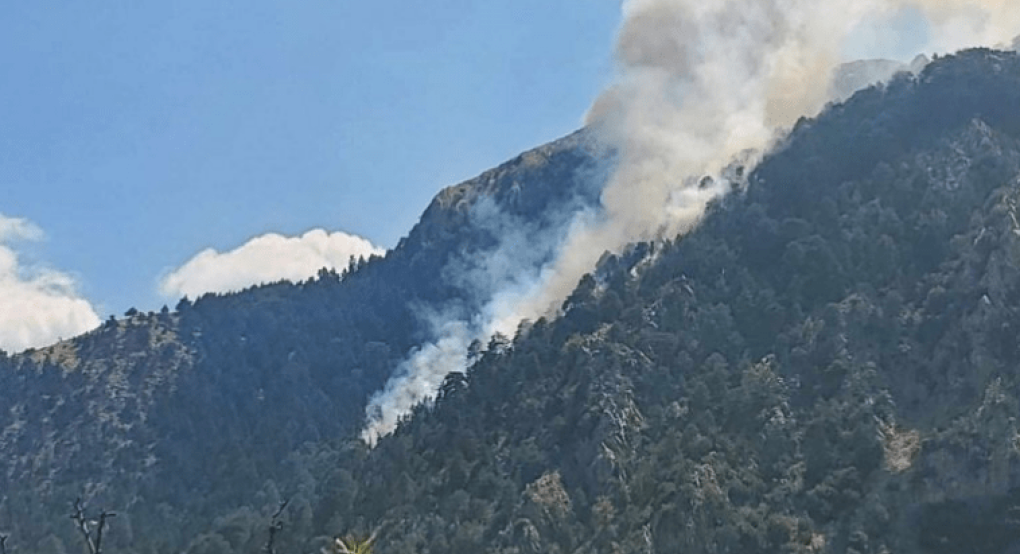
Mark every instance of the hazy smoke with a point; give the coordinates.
(957, 24)
(854, 76)
(418, 378)
(38, 305)
(265, 259)
(499, 280)
(700, 84)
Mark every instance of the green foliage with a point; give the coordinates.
(797, 375)
(351, 544)
(827, 364)
(177, 418)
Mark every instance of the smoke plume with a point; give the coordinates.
(496, 282)
(700, 84)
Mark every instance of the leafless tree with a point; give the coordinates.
(91, 529)
(275, 526)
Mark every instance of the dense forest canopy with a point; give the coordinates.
(828, 363)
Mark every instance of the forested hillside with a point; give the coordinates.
(828, 363)
(177, 417)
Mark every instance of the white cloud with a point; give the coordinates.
(38, 305)
(265, 259)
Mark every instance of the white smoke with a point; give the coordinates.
(958, 24)
(38, 305)
(498, 280)
(700, 84)
(418, 378)
(265, 259)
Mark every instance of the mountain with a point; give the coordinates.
(828, 363)
(178, 416)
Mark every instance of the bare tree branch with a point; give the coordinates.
(84, 525)
(275, 526)
(102, 525)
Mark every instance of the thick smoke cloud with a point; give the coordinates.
(700, 85)
(265, 259)
(38, 305)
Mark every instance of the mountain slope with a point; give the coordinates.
(176, 417)
(828, 364)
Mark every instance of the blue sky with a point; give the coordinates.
(133, 135)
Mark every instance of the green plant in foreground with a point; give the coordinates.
(352, 544)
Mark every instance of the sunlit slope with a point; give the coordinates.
(829, 363)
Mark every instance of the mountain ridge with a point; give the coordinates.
(860, 396)
(826, 364)
(123, 410)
